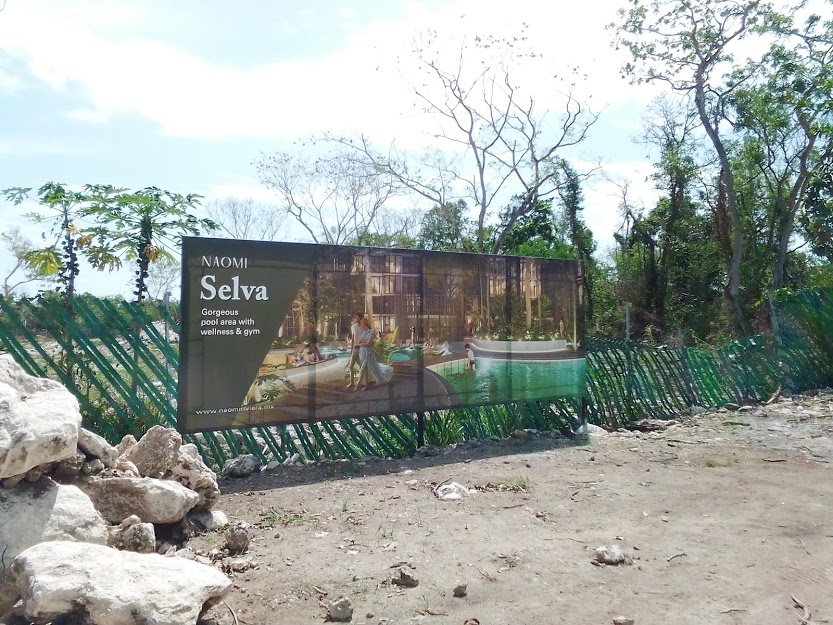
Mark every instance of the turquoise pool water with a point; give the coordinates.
(495, 381)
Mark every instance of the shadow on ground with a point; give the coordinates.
(329, 470)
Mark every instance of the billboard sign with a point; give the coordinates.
(278, 333)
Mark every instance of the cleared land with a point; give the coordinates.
(726, 516)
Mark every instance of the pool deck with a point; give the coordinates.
(332, 400)
(405, 393)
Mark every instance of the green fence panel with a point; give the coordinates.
(122, 368)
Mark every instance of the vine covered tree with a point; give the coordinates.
(688, 44)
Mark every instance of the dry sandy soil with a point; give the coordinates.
(726, 517)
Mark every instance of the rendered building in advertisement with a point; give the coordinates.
(266, 332)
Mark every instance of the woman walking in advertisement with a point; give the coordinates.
(354, 348)
(371, 371)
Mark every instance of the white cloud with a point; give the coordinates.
(108, 54)
(357, 87)
(90, 116)
(38, 147)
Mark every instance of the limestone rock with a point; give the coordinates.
(70, 467)
(193, 473)
(125, 468)
(39, 420)
(133, 535)
(611, 555)
(126, 443)
(63, 578)
(405, 577)
(156, 452)
(153, 501)
(94, 445)
(242, 466)
(340, 610)
(47, 511)
(237, 537)
(208, 519)
(34, 475)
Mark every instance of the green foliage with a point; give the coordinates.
(443, 428)
(445, 228)
(63, 212)
(142, 226)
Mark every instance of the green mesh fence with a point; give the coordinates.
(629, 380)
(122, 369)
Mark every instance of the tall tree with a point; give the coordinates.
(164, 276)
(335, 198)
(571, 200)
(689, 45)
(494, 139)
(786, 120)
(247, 219)
(393, 228)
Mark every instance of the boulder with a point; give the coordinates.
(47, 511)
(94, 445)
(238, 538)
(133, 535)
(152, 500)
(242, 466)
(156, 452)
(208, 520)
(103, 586)
(193, 473)
(39, 420)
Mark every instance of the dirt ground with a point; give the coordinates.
(725, 518)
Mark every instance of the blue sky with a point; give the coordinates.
(185, 95)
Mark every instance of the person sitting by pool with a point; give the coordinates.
(315, 355)
(469, 357)
(441, 350)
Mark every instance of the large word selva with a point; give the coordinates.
(231, 292)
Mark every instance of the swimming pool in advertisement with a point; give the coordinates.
(498, 380)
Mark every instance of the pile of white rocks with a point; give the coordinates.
(89, 533)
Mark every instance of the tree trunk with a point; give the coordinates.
(732, 291)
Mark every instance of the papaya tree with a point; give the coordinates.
(69, 237)
(142, 227)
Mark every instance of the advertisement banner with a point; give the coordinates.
(278, 333)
